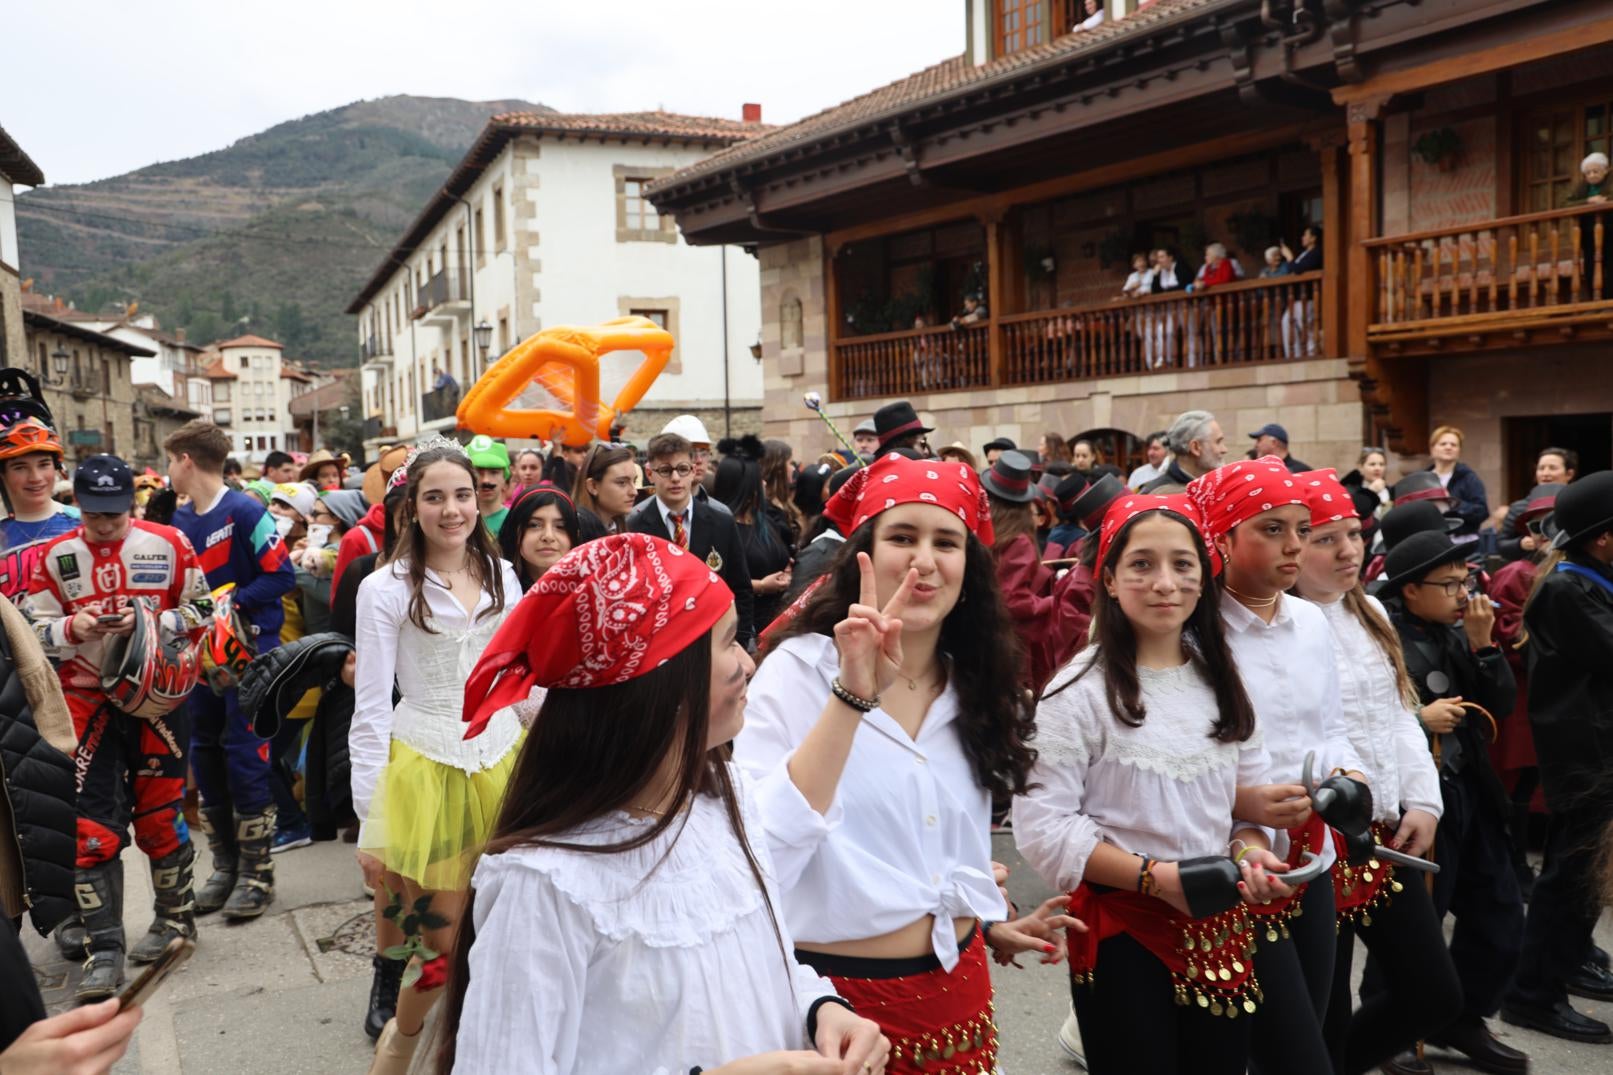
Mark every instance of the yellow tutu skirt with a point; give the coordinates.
(428, 821)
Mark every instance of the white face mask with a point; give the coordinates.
(283, 525)
(318, 535)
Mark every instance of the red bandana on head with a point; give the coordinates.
(1239, 491)
(895, 479)
(1127, 508)
(606, 612)
(1328, 500)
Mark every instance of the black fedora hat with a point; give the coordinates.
(1419, 554)
(1418, 485)
(1001, 444)
(1066, 492)
(1404, 520)
(1090, 505)
(897, 420)
(1009, 478)
(1584, 509)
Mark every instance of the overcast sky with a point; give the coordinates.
(95, 89)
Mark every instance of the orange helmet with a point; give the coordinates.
(27, 436)
(145, 675)
(229, 645)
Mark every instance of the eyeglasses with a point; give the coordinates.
(1453, 587)
(682, 470)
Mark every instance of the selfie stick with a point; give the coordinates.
(814, 403)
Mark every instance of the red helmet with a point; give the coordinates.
(143, 675)
(229, 645)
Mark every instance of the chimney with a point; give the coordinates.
(179, 333)
(752, 113)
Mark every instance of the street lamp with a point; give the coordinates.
(484, 338)
(59, 358)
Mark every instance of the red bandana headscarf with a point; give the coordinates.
(607, 612)
(1127, 508)
(1239, 491)
(1328, 500)
(895, 479)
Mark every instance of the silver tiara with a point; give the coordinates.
(432, 441)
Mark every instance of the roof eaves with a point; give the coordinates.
(17, 166)
(47, 323)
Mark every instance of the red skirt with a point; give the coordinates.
(939, 1022)
(1360, 890)
(1273, 917)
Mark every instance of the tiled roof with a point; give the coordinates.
(15, 165)
(648, 124)
(215, 371)
(247, 341)
(939, 81)
(42, 321)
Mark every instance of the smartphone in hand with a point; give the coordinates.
(172, 958)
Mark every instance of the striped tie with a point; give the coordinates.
(680, 536)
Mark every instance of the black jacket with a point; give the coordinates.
(1435, 650)
(1570, 654)
(714, 538)
(274, 684)
(1508, 541)
(39, 784)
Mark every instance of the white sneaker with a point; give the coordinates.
(1070, 1041)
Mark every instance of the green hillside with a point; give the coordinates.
(280, 228)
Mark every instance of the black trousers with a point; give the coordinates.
(1422, 993)
(1132, 1025)
(1564, 908)
(1296, 977)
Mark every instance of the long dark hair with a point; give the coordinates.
(738, 480)
(995, 717)
(1204, 643)
(521, 512)
(481, 554)
(591, 752)
(1011, 520)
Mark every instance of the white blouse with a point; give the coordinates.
(652, 960)
(1292, 680)
(1382, 727)
(1163, 788)
(430, 670)
(908, 833)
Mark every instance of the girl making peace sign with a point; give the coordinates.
(880, 724)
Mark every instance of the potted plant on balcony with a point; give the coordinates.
(1441, 148)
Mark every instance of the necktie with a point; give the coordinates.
(680, 535)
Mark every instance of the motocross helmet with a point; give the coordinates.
(144, 675)
(28, 435)
(228, 647)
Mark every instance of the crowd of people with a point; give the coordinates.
(689, 757)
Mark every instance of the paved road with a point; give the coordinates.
(284, 995)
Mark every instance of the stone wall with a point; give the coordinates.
(11, 332)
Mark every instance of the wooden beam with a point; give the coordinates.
(1363, 134)
(1333, 217)
(995, 296)
(1594, 31)
(831, 331)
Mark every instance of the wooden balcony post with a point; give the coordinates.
(996, 295)
(1361, 298)
(831, 331)
(1333, 230)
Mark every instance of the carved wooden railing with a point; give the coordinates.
(919, 360)
(1492, 275)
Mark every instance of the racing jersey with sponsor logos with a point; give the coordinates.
(23, 541)
(75, 574)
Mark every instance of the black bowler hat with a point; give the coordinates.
(104, 484)
(1001, 444)
(897, 420)
(1090, 505)
(1418, 485)
(1404, 520)
(1584, 509)
(1418, 555)
(1009, 478)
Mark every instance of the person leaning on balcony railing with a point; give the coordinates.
(1595, 189)
(1137, 283)
(1197, 447)
(1159, 325)
(1299, 320)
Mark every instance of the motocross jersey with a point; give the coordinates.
(75, 574)
(22, 543)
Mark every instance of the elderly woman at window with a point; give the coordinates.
(1595, 189)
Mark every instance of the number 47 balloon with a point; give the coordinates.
(564, 360)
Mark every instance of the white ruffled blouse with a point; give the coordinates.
(1382, 727)
(653, 960)
(1163, 788)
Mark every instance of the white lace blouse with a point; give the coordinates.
(908, 833)
(1163, 788)
(430, 671)
(1383, 729)
(652, 960)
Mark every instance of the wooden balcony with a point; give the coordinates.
(1515, 281)
(1255, 321)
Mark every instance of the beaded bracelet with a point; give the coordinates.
(857, 702)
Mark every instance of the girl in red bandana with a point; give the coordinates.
(625, 916)
(884, 717)
(1258, 520)
(1143, 740)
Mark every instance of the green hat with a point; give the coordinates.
(488, 454)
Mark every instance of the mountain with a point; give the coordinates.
(282, 227)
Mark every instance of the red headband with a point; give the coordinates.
(1127, 508)
(1328, 500)
(895, 479)
(1239, 491)
(546, 487)
(607, 612)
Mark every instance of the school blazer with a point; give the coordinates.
(714, 538)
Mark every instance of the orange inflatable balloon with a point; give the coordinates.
(564, 360)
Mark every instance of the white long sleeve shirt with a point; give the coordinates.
(651, 960)
(1292, 679)
(430, 670)
(1382, 727)
(908, 833)
(1163, 788)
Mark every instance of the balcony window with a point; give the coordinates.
(1019, 25)
(1559, 138)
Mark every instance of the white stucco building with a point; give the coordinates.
(544, 223)
(252, 389)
